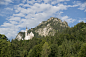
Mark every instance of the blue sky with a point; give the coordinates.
(15, 15)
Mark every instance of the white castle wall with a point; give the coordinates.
(28, 36)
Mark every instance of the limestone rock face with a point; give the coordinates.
(45, 31)
(50, 27)
(46, 28)
(19, 36)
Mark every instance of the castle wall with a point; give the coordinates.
(28, 36)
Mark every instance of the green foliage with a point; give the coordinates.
(68, 43)
(54, 50)
(3, 37)
(45, 50)
(35, 51)
(82, 52)
(69, 48)
(5, 46)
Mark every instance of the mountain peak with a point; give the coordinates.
(49, 27)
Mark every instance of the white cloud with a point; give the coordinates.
(9, 32)
(1, 15)
(54, 1)
(65, 3)
(15, 18)
(22, 30)
(84, 18)
(42, 7)
(7, 25)
(26, 5)
(23, 5)
(9, 8)
(85, 10)
(20, 15)
(69, 20)
(82, 6)
(45, 1)
(5, 2)
(14, 22)
(31, 2)
(24, 1)
(32, 15)
(81, 20)
(6, 11)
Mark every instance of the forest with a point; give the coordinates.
(71, 42)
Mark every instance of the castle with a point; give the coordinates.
(27, 35)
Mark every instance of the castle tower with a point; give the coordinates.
(26, 32)
(27, 35)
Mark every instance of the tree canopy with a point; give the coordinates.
(69, 43)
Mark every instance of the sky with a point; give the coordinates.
(15, 15)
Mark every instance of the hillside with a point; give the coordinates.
(69, 43)
(46, 28)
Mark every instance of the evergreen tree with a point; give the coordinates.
(45, 50)
(82, 52)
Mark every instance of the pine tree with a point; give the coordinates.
(45, 50)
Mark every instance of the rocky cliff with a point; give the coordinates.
(50, 27)
(46, 28)
(20, 36)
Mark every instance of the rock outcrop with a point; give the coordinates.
(46, 28)
(50, 26)
(19, 36)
